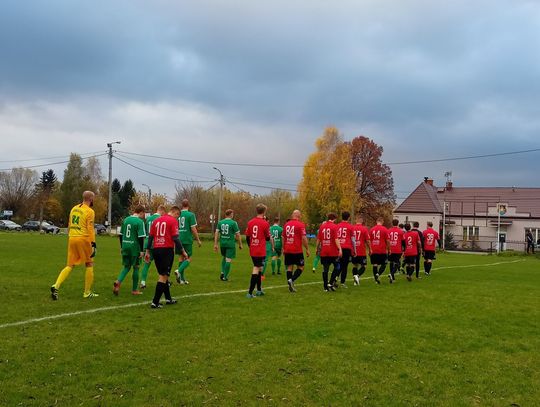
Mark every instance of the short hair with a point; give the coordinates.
(345, 215)
(185, 203)
(359, 216)
(380, 219)
(87, 195)
(430, 224)
(400, 225)
(331, 216)
(276, 219)
(395, 222)
(229, 212)
(139, 209)
(260, 208)
(161, 207)
(416, 224)
(175, 209)
(407, 226)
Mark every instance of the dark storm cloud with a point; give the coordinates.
(422, 78)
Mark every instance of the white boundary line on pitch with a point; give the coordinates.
(209, 294)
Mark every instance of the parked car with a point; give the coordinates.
(46, 226)
(9, 225)
(99, 228)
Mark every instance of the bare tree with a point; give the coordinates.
(17, 190)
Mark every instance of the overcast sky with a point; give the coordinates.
(251, 81)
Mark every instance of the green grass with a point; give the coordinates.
(464, 336)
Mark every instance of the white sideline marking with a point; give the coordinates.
(209, 294)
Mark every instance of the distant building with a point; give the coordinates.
(474, 214)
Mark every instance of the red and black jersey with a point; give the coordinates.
(378, 236)
(163, 230)
(258, 232)
(327, 236)
(293, 234)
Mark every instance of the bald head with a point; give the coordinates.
(88, 196)
(296, 214)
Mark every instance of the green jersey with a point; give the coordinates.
(185, 222)
(132, 229)
(228, 229)
(276, 231)
(149, 221)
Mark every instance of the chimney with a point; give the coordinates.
(449, 185)
(428, 181)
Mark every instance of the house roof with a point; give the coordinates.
(472, 201)
(422, 200)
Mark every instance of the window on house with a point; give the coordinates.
(471, 233)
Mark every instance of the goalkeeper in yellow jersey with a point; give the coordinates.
(81, 245)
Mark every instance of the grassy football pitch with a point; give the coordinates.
(467, 335)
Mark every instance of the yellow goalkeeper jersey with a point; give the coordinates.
(81, 222)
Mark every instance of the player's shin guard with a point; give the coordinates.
(279, 265)
(335, 274)
(325, 275)
(253, 282)
(135, 277)
(375, 270)
(259, 282)
(167, 291)
(361, 270)
(382, 268)
(144, 272)
(182, 268)
(355, 271)
(160, 288)
(289, 275)
(427, 266)
(123, 274)
(227, 270)
(62, 276)
(296, 274)
(273, 266)
(88, 279)
(392, 269)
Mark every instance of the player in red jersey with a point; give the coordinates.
(378, 236)
(431, 239)
(257, 234)
(162, 241)
(330, 249)
(395, 236)
(414, 228)
(345, 233)
(294, 240)
(361, 242)
(413, 246)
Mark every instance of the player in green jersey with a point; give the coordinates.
(227, 232)
(161, 210)
(187, 228)
(131, 236)
(276, 231)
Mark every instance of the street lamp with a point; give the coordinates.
(221, 183)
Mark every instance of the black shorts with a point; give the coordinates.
(429, 254)
(294, 259)
(258, 261)
(346, 256)
(362, 260)
(164, 259)
(328, 260)
(378, 259)
(394, 257)
(410, 260)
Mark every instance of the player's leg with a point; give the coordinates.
(135, 276)
(344, 266)
(126, 266)
(184, 264)
(255, 275)
(316, 261)
(417, 266)
(274, 261)
(326, 268)
(336, 271)
(230, 254)
(89, 280)
(74, 257)
(144, 271)
(279, 262)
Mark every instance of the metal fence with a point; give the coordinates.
(485, 245)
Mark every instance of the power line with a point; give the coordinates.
(470, 157)
(163, 168)
(159, 175)
(45, 158)
(216, 162)
(51, 164)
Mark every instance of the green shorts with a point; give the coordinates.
(188, 248)
(228, 252)
(277, 252)
(130, 260)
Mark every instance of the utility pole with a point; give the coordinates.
(221, 184)
(149, 195)
(109, 211)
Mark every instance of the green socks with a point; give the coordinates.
(123, 274)
(181, 268)
(135, 276)
(316, 261)
(227, 270)
(273, 266)
(279, 265)
(144, 272)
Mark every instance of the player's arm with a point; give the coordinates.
(338, 244)
(238, 237)
(91, 231)
(216, 238)
(305, 243)
(195, 233)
